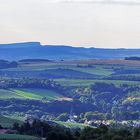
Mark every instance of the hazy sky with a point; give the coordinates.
(89, 23)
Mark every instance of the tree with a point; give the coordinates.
(1, 127)
(116, 137)
(16, 126)
(137, 133)
(57, 136)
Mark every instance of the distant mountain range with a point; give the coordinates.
(34, 50)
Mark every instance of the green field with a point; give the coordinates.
(17, 137)
(8, 94)
(72, 125)
(76, 70)
(41, 66)
(8, 122)
(34, 94)
(39, 94)
(85, 82)
(97, 70)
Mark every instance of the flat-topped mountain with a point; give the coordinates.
(34, 50)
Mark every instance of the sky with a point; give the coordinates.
(83, 23)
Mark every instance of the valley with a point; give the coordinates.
(70, 94)
(98, 86)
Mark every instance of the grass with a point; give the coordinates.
(96, 70)
(26, 94)
(131, 99)
(8, 94)
(31, 93)
(100, 68)
(85, 82)
(72, 125)
(40, 66)
(8, 122)
(44, 93)
(17, 137)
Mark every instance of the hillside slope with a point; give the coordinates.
(34, 50)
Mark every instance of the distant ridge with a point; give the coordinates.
(34, 50)
(23, 44)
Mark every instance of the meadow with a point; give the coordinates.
(8, 121)
(72, 125)
(72, 70)
(17, 137)
(87, 82)
(30, 93)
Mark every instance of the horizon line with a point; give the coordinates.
(74, 46)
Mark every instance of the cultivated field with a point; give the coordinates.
(30, 93)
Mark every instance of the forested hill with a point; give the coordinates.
(133, 58)
(34, 50)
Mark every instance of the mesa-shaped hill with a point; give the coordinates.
(34, 50)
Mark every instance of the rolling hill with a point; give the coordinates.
(34, 50)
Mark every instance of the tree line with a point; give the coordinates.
(56, 132)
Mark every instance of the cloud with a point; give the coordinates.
(122, 2)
